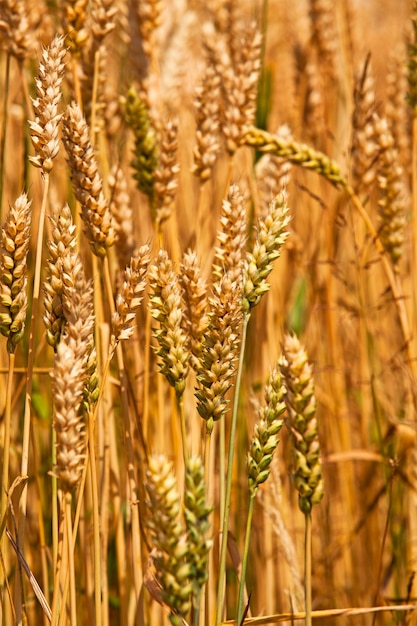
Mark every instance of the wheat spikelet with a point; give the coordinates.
(240, 84)
(171, 553)
(299, 154)
(301, 404)
(265, 437)
(130, 296)
(68, 387)
(412, 63)
(103, 13)
(145, 158)
(149, 14)
(194, 296)
(272, 173)
(75, 380)
(392, 198)
(207, 108)
(63, 259)
(122, 214)
(166, 174)
(314, 107)
(88, 186)
(219, 350)
(231, 237)
(74, 20)
(323, 21)
(44, 130)
(196, 514)
(13, 255)
(271, 237)
(166, 307)
(396, 109)
(364, 147)
(16, 28)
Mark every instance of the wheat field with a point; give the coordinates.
(208, 312)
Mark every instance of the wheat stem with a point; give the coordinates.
(229, 476)
(96, 519)
(30, 360)
(6, 462)
(307, 568)
(245, 557)
(73, 587)
(4, 130)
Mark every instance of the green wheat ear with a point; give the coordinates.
(265, 437)
(145, 158)
(302, 422)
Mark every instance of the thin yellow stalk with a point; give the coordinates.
(121, 550)
(4, 129)
(96, 519)
(242, 583)
(133, 487)
(414, 212)
(394, 282)
(206, 596)
(307, 568)
(29, 377)
(228, 494)
(6, 462)
(73, 596)
(60, 591)
(42, 534)
(181, 413)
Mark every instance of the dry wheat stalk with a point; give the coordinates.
(130, 295)
(87, 184)
(301, 404)
(13, 255)
(165, 301)
(194, 296)
(44, 129)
